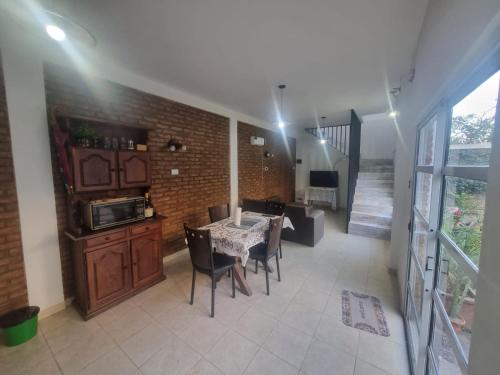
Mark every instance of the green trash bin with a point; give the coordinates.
(20, 325)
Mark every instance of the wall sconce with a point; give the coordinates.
(267, 154)
(175, 145)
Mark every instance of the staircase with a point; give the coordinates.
(371, 214)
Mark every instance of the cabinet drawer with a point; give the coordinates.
(139, 229)
(105, 238)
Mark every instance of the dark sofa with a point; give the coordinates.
(309, 224)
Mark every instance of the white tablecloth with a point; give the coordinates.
(237, 242)
(321, 194)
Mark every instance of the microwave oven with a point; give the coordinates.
(106, 213)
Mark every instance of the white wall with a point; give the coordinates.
(378, 137)
(456, 37)
(318, 157)
(23, 54)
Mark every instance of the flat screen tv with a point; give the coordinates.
(324, 179)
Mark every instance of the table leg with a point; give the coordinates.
(242, 282)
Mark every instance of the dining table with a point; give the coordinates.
(237, 240)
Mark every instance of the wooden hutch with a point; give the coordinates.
(112, 264)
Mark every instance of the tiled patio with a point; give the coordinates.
(296, 330)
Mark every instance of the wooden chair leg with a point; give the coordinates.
(278, 267)
(232, 282)
(256, 266)
(267, 277)
(192, 286)
(213, 296)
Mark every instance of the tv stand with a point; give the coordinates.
(321, 194)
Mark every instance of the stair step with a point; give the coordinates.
(372, 200)
(372, 208)
(367, 163)
(379, 169)
(375, 176)
(371, 218)
(374, 192)
(375, 183)
(370, 230)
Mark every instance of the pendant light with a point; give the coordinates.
(323, 139)
(281, 122)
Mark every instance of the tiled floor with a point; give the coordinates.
(296, 330)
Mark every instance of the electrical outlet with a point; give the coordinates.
(175, 172)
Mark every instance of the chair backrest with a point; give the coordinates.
(200, 247)
(275, 207)
(273, 239)
(219, 212)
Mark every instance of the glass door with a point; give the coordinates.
(422, 245)
(449, 190)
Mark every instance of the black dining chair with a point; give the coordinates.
(264, 251)
(206, 261)
(219, 212)
(276, 208)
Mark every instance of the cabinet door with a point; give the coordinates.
(146, 259)
(134, 169)
(108, 273)
(94, 169)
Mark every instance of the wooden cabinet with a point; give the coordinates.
(134, 169)
(147, 262)
(94, 169)
(108, 271)
(114, 264)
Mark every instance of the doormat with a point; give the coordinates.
(363, 312)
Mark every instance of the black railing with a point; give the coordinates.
(354, 156)
(336, 136)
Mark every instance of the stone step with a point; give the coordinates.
(379, 168)
(375, 183)
(374, 192)
(373, 208)
(370, 230)
(375, 176)
(371, 218)
(361, 199)
(367, 163)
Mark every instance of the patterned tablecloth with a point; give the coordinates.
(228, 239)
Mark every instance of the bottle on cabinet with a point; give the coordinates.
(148, 206)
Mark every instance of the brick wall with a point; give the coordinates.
(13, 292)
(203, 169)
(260, 177)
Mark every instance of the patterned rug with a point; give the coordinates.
(363, 312)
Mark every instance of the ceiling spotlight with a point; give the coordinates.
(281, 124)
(322, 141)
(55, 32)
(393, 114)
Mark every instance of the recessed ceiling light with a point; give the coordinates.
(55, 32)
(393, 114)
(281, 124)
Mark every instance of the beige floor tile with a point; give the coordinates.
(383, 353)
(315, 300)
(301, 317)
(144, 344)
(81, 353)
(46, 367)
(255, 325)
(267, 363)
(288, 344)
(203, 367)
(232, 353)
(176, 357)
(364, 368)
(322, 359)
(332, 331)
(123, 325)
(23, 357)
(113, 363)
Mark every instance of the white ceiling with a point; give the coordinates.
(333, 54)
